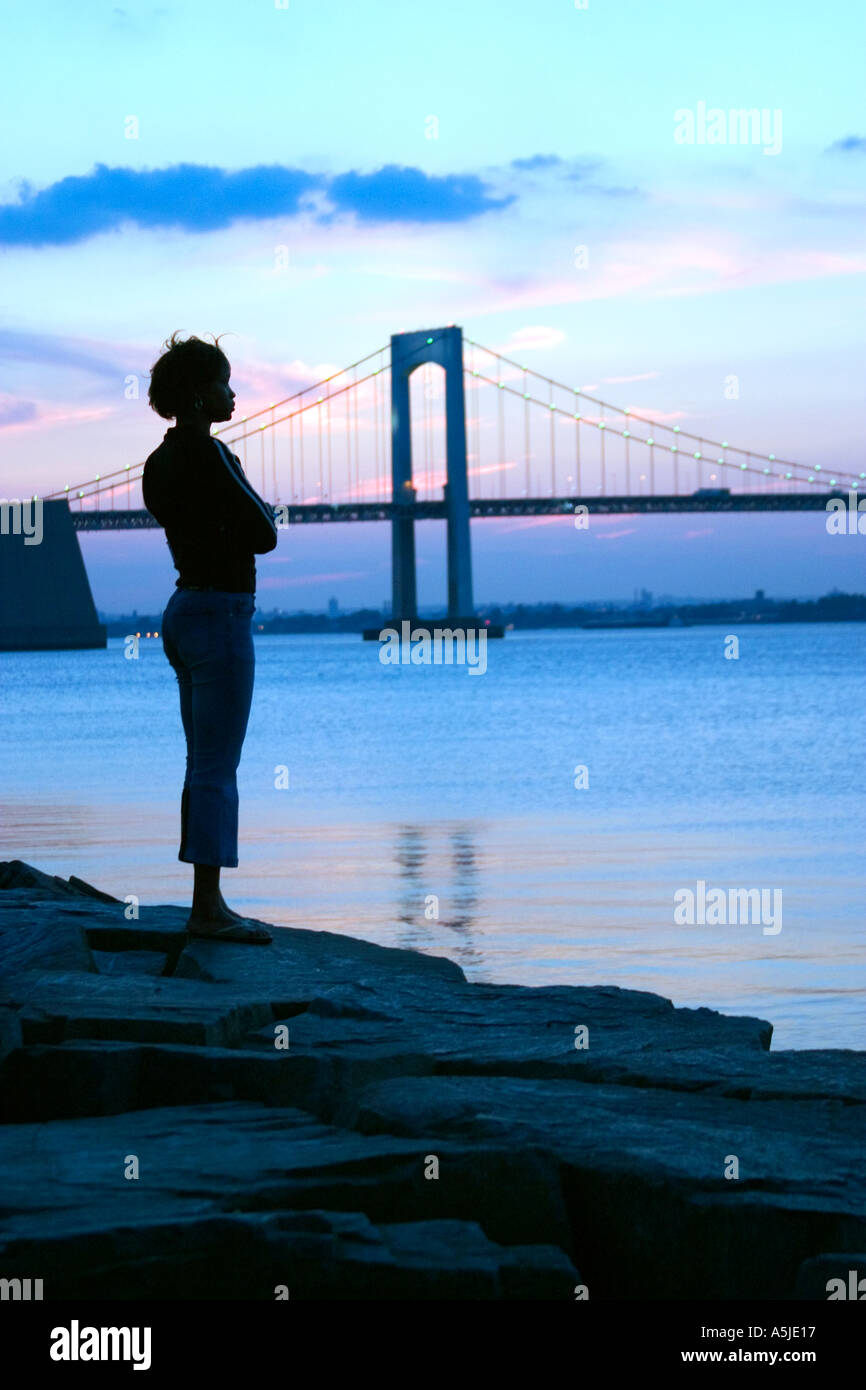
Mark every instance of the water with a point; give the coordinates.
(422, 789)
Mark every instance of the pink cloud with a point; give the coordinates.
(49, 419)
(621, 380)
(531, 339)
(306, 580)
(685, 265)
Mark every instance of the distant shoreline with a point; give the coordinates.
(833, 608)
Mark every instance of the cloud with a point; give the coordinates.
(47, 418)
(109, 361)
(850, 144)
(206, 198)
(14, 412)
(194, 197)
(399, 193)
(666, 269)
(573, 171)
(308, 580)
(639, 376)
(531, 338)
(537, 161)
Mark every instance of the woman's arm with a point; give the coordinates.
(249, 518)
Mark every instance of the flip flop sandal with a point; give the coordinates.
(235, 931)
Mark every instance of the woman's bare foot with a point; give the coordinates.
(212, 917)
(228, 928)
(230, 912)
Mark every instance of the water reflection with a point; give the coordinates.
(437, 887)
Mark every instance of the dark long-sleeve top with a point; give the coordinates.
(214, 520)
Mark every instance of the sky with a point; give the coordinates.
(310, 178)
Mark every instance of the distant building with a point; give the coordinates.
(333, 608)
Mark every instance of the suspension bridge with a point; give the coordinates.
(434, 425)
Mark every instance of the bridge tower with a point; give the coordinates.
(45, 598)
(408, 351)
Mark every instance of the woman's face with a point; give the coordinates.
(218, 398)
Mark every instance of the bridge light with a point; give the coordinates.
(724, 444)
(817, 468)
(526, 395)
(429, 341)
(127, 466)
(789, 475)
(81, 494)
(832, 482)
(66, 488)
(626, 434)
(863, 475)
(501, 385)
(474, 373)
(577, 417)
(262, 427)
(743, 467)
(674, 449)
(626, 411)
(643, 477)
(720, 460)
(811, 478)
(766, 470)
(601, 424)
(772, 458)
(650, 441)
(676, 429)
(698, 455)
(96, 479)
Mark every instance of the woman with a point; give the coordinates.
(215, 523)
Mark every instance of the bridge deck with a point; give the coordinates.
(134, 519)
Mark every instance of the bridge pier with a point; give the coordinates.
(408, 351)
(45, 598)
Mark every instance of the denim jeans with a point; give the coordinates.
(208, 638)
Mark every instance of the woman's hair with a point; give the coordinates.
(184, 368)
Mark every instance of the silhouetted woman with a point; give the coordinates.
(215, 524)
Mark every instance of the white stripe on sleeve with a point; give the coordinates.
(241, 480)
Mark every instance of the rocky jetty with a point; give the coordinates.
(324, 1118)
